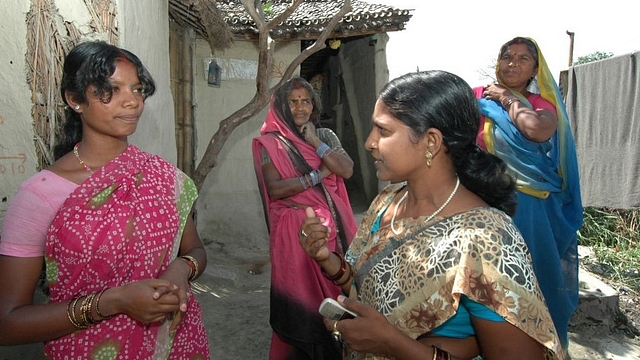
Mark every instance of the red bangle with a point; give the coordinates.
(340, 273)
(439, 354)
(193, 265)
(347, 279)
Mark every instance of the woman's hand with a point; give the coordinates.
(177, 273)
(308, 131)
(146, 301)
(370, 332)
(496, 92)
(314, 237)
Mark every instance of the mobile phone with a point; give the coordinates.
(331, 309)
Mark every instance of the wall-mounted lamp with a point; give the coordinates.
(215, 74)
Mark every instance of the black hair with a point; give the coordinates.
(444, 101)
(92, 64)
(281, 103)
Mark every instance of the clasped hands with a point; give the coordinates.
(156, 300)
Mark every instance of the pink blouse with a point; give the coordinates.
(26, 222)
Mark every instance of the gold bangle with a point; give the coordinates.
(85, 310)
(98, 305)
(71, 313)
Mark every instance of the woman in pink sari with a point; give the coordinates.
(300, 165)
(114, 228)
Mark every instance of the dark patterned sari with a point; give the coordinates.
(416, 278)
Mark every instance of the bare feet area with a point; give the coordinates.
(234, 294)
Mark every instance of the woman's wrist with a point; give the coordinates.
(194, 267)
(508, 100)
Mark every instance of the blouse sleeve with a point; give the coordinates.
(328, 137)
(27, 220)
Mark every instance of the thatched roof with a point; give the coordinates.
(221, 21)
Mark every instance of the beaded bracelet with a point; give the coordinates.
(343, 268)
(193, 264)
(322, 150)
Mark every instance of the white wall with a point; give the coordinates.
(229, 205)
(17, 153)
(144, 29)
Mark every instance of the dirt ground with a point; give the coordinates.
(234, 294)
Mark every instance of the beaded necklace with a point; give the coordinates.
(85, 166)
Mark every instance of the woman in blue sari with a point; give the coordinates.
(529, 130)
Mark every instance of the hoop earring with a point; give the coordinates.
(429, 156)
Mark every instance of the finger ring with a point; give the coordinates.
(335, 326)
(304, 233)
(337, 335)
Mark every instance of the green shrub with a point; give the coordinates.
(613, 235)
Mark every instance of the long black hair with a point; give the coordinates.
(441, 100)
(91, 64)
(281, 103)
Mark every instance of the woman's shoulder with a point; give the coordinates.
(538, 102)
(46, 180)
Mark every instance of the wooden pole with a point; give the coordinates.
(571, 36)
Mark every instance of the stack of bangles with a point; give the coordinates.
(439, 354)
(343, 269)
(89, 303)
(311, 179)
(193, 264)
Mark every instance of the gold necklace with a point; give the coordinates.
(85, 166)
(395, 211)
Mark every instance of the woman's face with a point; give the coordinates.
(301, 105)
(396, 154)
(516, 66)
(119, 117)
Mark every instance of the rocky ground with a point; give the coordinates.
(234, 294)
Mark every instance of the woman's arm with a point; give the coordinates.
(502, 340)
(313, 237)
(336, 160)
(534, 125)
(279, 188)
(22, 321)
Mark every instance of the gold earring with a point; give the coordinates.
(428, 155)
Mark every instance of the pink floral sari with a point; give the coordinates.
(121, 225)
